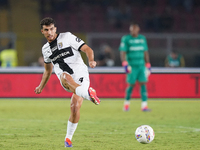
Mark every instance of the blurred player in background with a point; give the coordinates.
(135, 59)
(106, 56)
(8, 57)
(174, 59)
(62, 51)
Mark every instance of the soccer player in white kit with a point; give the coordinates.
(62, 51)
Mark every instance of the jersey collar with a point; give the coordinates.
(54, 40)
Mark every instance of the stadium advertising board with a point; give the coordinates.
(107, 85)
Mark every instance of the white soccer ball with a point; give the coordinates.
(144, 134)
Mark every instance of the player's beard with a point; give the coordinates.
(51, 38)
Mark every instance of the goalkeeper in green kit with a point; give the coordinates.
(135, 59)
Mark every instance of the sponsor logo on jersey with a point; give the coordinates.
(58, 58)
(137, 48)
(61, 55)
(136, 41)
(78, 39)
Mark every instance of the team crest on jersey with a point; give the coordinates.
(60, 45)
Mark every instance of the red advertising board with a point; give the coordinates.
(112, 85)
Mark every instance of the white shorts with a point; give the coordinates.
(80, 76)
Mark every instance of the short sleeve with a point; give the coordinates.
(46, 59)
(75, 42)
(123, 45)
(46, 54)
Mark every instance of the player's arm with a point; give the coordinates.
(46, 75)
(146, 54)
(123, 48)
(123, 56)
(146, 57)
(147, 60)
(90, 55)
(124, 62)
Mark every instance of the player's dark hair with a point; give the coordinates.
(47, 21)
(134, 23)
(174, 51)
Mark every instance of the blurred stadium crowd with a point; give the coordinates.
(172, 16)
(162, 21)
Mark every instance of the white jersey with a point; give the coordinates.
(64, 54)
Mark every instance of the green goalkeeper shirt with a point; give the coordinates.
(134, 48)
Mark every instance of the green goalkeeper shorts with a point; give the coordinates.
(138, 73)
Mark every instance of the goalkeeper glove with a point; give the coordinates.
(126, 66)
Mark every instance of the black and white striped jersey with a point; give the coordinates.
(64, 53)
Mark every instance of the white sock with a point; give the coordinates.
(71, 127)
(82, 91)
(127, 102)
(144, 104)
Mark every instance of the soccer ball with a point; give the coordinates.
(144, 134)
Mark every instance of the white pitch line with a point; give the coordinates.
(31, 120)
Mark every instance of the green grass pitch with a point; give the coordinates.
(40, 124)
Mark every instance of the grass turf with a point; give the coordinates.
(34, 124)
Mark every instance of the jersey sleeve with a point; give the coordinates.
(123, 45)
(75, 42)
(45, 56)
(46, 59)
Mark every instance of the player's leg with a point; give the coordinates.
(144, 97)
(131, 80)
(76, 102)
(129, 90)
(81, 89)
(143, 78)
(68, 82)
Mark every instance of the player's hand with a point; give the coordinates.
(38, 90)
(92, 64)
(148, 66)
(126, 66)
